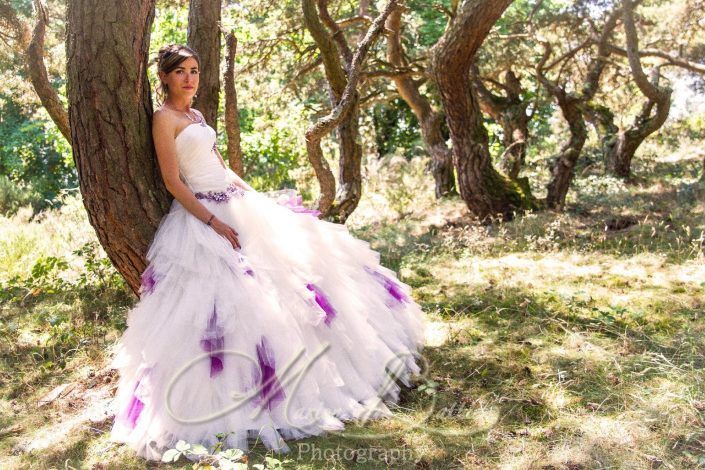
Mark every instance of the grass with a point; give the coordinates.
(557, 340)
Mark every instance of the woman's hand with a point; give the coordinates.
(226, 231)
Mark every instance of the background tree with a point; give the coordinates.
(110, 111)
(232, 118)
(337, 60)
(652, 115)
(510, 110)
(29, 43)
(430, 121)
(485, 191)
(204, 38)
(574, 105)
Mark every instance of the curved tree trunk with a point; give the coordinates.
(337, 61)
(31, 45)
(110, 115)
(575, 107)
(564, 165)
(349, 192)
(204, 38)
(510, 112)
(232, 120)
(602, 119)
(429, 120)
(515, 128)
(571, 105)
(346, 105)
(485, 191)
(335, 76)
(628, 141)
(349, 189)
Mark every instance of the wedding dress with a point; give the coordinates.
(287, 337)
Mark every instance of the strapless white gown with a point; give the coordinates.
(296, 332)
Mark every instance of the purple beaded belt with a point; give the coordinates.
(221, 196)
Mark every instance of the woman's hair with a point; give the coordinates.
(170, 57)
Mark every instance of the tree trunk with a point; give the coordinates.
(602, 119)
(628, 141)
(510, 112)
(110, 113)
(515, 128)
(619, 159)
(232, 121)
(441, 156)
(337, 61)
(346, 106)
(485, 191)
(564, 165)
(204, 38)
(31, 45)
(349, 190)
(429, 120)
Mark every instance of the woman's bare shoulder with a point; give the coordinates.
(163, 120)
(198, 112)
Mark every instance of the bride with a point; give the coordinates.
(256, 319)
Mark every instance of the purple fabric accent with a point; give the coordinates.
(390, 284)
(246, 268)
(213, 342)
(134, 408)
(148, 281)
(271, 392)
(133, 411)
(221, 196)
(295, 203)
(323, 302)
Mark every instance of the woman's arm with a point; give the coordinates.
(163, 135)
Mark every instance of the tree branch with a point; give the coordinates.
(315, 132)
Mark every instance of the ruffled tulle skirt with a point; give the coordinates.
(296, 332)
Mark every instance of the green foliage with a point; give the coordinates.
(689, 128)
(230, 459)
(170, 26)
(52, 275)
(396, 128)
(34, 157)
(269, 156)
(14, 195)
(428, 23)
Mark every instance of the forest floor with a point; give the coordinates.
(558, 340)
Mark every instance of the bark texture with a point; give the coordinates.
(649, 120)
(232, 121)
(30, 44)
(430, 121)
(486, 192)
(345, 107)
(510, 112)
(576, 107)
(338, 60)
(204, 38)
(110, 113)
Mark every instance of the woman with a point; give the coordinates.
(256, 319)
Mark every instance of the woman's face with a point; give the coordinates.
(183, 80)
